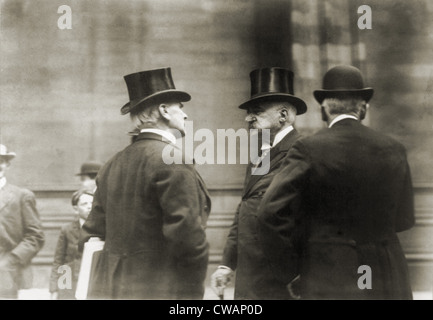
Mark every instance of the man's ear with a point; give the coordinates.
(75, 208)
(324, 115)
(283, 115)
(163, 111)
(363, 111)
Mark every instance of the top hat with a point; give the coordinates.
(343, 81)
(151, 86)
(5, 154)
(89, 167)
(270, 84)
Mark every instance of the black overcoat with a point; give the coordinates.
(152, 217)
(242, 252)
(333, 212)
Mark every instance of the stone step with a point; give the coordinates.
(55, 210)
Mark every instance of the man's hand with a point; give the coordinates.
(220, 279)
(9, 262)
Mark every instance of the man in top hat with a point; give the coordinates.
(332, 213)
(272, 108)
(88, 173)
(21, 235)
(151, 215)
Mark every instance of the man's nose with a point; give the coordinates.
(250, 117)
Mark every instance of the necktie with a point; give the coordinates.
(265, 151)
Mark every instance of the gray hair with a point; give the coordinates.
(345, 105)
(145, 117)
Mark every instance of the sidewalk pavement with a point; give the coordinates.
(43, 294)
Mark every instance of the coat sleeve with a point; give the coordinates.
(59, 259)
(95, 223)
(405, 218)
(230, 253)
(179, 196)
(33, 235)
(280, 213)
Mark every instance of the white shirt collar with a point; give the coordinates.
(2, 182)
(278, 137)
(166, 134)
(341, 117)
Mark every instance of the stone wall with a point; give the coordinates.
(61, 90)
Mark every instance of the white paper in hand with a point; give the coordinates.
(90, 247)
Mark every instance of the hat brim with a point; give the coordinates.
(86, 173)
(320, 95)
(298, 103)
(8, 156)
(161, 96)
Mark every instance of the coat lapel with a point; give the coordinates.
(276, 154)
(5, 196)
(76, 228)
(203, 185)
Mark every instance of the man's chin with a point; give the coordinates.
(181, 133)
(255, 128)
(178, 133)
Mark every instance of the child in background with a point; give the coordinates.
(67, 258)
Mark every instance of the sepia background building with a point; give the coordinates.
(61, 89)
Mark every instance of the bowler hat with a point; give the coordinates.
(89, 167)
(269, 84)
(5, 154)
(341, 81)
(151, 86)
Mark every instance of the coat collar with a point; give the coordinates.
(3, 182)
(347, 122)
(151, 136)
(342, 117)
(155, 136)
(276, 154)
(285, 144)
